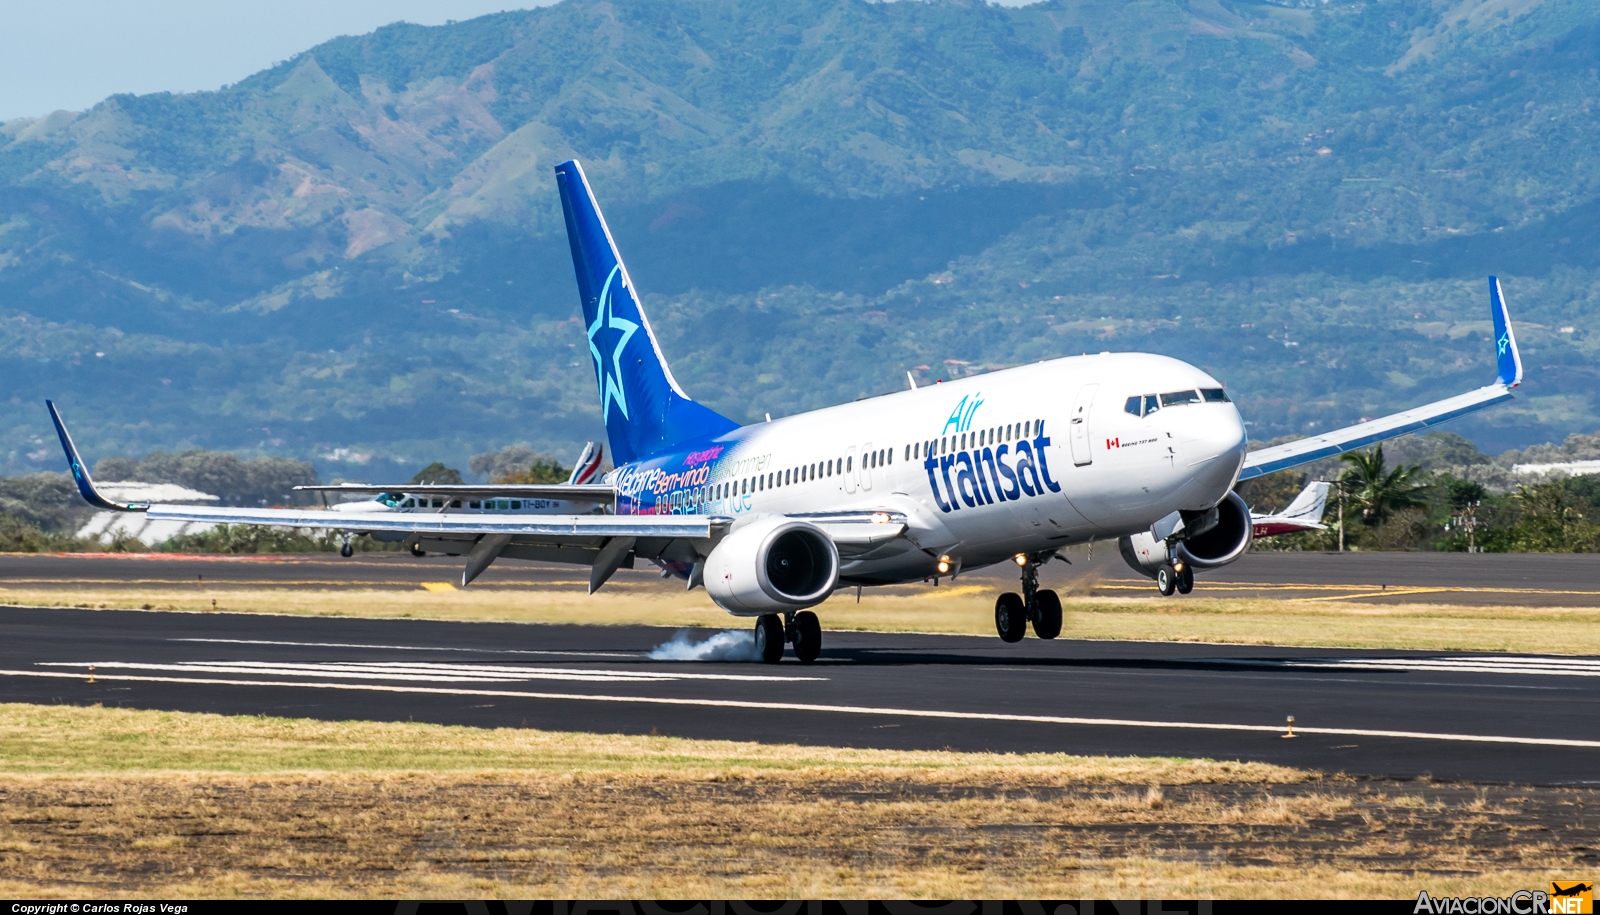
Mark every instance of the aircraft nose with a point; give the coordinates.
(1215, 446)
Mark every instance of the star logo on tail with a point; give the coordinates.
(608, 357)
(1504, 342)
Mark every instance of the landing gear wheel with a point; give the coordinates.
(806, 634)
(769, 638)
(347, 550)
(417, 550)
(1166, 581)
(1010, 617)
(1047, 618)
(1186, 581)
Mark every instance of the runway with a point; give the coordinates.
(1520, 579)
(1451, 715)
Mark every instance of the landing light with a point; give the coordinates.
(944, 564)
(880, 517)
(1021, 558)
(1177, 567)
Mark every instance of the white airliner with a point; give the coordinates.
(773, 517)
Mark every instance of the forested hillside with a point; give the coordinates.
(356, 257)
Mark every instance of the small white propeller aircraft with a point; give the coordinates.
(773, 517)
(1303, 514)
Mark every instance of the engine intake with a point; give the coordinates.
(772, 564)
(1215, 547)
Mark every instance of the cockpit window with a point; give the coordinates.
(1215, 395)
(1142, 405)
(1176, 398)
(389, 499)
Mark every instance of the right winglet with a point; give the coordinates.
(80, 473)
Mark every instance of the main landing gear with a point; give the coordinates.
(1176, 577)
(803, 630)
(1041, 606)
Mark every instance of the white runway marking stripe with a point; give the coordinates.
(1525, 666)
(835, 709)
(566, 654)
(438, 673)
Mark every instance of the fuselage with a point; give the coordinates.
(1021, 460)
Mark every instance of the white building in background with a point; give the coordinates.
(105, 526)
(1570, 468)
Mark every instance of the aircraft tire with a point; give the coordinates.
(1010, 617)
(807, 636)
(1185, 581)
(417, 550)
(1047, 622)
(769, 638)
(347, 551)
(1166, 581)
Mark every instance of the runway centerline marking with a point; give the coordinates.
(1264, 675)
(441, 673)
(835, 709)
(575, 654)
(1523, 666)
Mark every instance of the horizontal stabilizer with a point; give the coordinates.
(598, 493)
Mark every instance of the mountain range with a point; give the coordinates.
(357, 257)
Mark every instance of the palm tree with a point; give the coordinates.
(1379, 491)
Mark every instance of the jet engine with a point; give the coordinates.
(1214, 546)
(772, 565)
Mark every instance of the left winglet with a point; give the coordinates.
(80, 473)
(1508, 374)
(1508, 361)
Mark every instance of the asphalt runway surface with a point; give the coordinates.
(1518, 579)
(1452, 715)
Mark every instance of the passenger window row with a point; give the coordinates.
(437, 503)
(1008, 433)
(1145, 404)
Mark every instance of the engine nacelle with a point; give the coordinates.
(772, 565)
(1219, 545)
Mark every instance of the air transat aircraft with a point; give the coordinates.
(771, 518)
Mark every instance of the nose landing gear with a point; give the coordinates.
(1041, 606)
(1176, 577)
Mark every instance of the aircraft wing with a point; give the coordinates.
(567, 492)
(453, 525)
(1508, 364)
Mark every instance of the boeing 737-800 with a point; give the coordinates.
(773, 517)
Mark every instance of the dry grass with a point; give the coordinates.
(199, 805)
(967, 609)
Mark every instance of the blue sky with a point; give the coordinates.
(73, 53)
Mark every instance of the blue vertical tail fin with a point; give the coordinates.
(645, 411)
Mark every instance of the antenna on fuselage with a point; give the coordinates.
(911, 378)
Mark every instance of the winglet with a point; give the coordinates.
(80, 473)
(1507, 360)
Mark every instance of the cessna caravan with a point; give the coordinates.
(771, 518)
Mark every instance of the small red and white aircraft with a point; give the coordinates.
(1303, 514)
